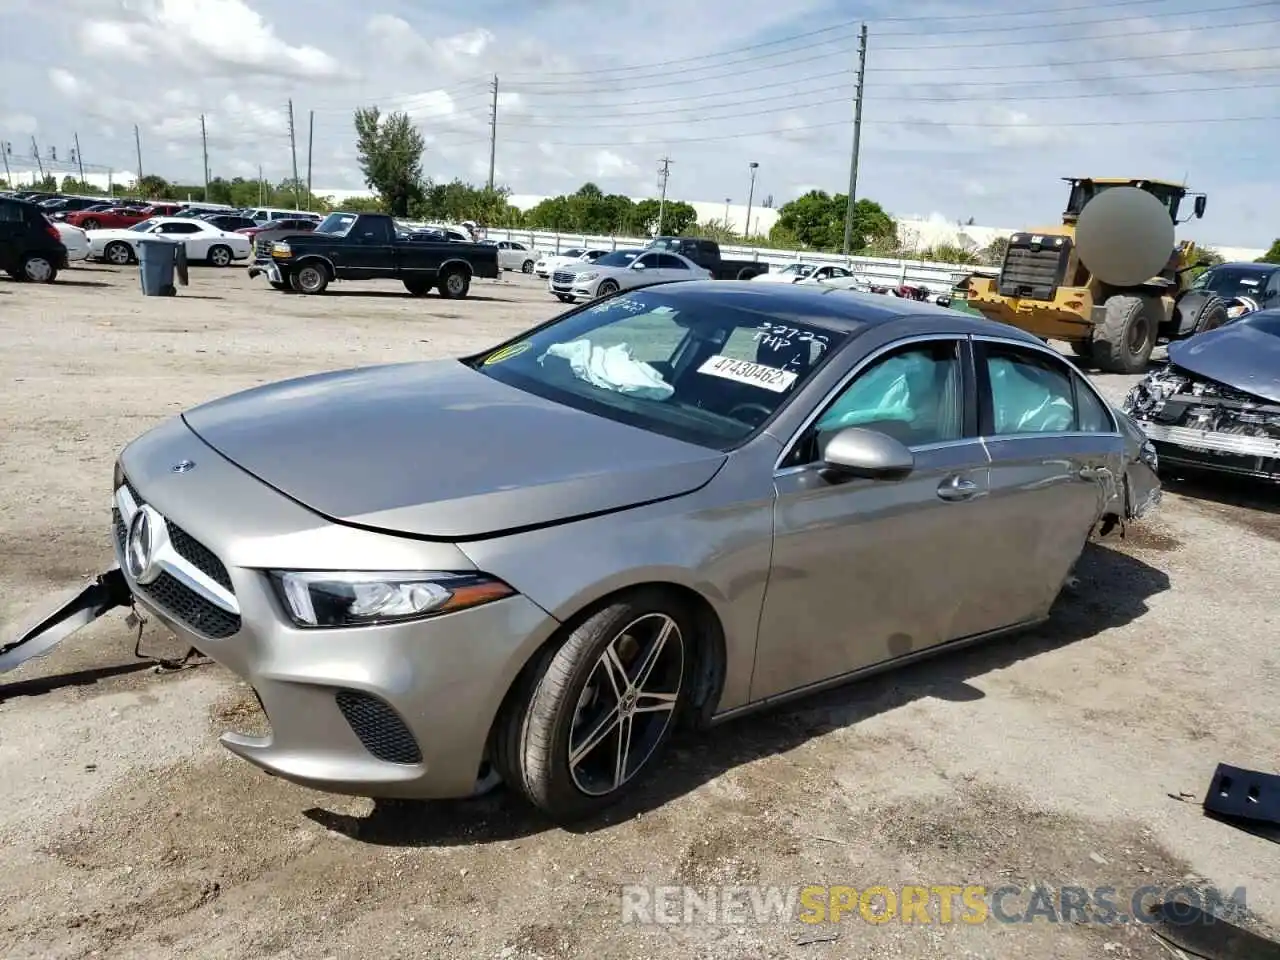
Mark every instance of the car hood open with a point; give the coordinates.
(436, 449)
(1238, 354)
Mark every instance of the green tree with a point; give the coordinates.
(1272, 255)
(152, 187)
(817, 220)
(993, 253)
(950, 253)
(390, 150)
(678, 217)
(80, 187)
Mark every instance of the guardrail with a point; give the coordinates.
(937, 277)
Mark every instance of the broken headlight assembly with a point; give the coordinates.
(359, 598)
(1149, 395)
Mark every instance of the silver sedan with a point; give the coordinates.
(665, 508)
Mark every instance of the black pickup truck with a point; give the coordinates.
(706, 254)
(369, 246)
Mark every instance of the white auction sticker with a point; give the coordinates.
(744, 371)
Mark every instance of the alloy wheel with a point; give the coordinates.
(626, 705)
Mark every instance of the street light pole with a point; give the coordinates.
(726, 212)
(751, 193)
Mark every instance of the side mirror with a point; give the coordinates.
(1201, 202)
(856, 452)
(637, 266)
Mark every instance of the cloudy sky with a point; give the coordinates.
(972, 109)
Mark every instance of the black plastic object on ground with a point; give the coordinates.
(108, 591)
(1202, 934)
(1246, 799)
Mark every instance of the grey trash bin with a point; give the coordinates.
(156, 262)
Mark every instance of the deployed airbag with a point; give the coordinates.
(611, 368)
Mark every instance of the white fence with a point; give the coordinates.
(937, 277)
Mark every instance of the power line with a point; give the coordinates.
(576, 120)
(932, 21)
(1073, 63)
(986, 30)
(1181, 121)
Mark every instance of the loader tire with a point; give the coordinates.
(1123, 342)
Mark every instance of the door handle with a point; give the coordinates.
(957, 488)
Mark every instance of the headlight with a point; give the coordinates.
(281, 249)
(587, 277)
(358, 598)
(1147, 454)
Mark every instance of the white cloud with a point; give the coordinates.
(608, 164)
(18, 124)
(219, 34)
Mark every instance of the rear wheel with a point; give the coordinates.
(37, 268)
(119, 253)
(220, 256)
(1123, 342)
(454, 283)
(591, 715)
(527, 267)
(90, 224)
(1212, 315)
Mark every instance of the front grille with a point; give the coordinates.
(175, 597)
(1034, 266)
(563, 277)
(262, 248)
(379, 727)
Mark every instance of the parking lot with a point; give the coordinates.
(1075, 754)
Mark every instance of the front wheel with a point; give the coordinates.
(527, 267)
(310, 278)
(1123, 342)
(591, 715)
(90, 224)
(607, 288)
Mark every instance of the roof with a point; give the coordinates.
(1156, 180)
(841, 309)
(1247, 267)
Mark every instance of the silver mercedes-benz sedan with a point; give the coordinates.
(666, 507)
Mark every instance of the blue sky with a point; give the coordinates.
(968, 105)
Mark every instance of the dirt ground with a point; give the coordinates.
(1073, 755)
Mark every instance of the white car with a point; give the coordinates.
(804, 273)
(202, 239)
(549, 263)
(513, 255)
(621, 270)
(263, 214)
(74, 239)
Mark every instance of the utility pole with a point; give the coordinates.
(311, 136)
(6, 148)
(751, 195)
(727, 201)
(493, 131)
(664, 174)
(293, 147)
(137, 142)
(79, 159)
(857, 132)
(35, 152)
(204, 147)
(261, 185)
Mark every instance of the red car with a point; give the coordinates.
(119, 217)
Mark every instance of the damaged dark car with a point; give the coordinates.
(1216, 405)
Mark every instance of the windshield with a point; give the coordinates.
(573, 252)
(703, 373)
(144, 226)
(665, 243)
(337, 224)
(1233, 281)
(619, 258)
(803, 269)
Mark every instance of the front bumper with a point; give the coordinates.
(398, 710)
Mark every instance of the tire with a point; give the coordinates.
(278, 285)
(90, 224)
(1123, 342)
(565, 298)
(37, 268)
(527, 267)
(220, 256)
(418, 288)
(454, 283)
(606, 288)
(118, 253)
(572, 689)
(1212, 315)
(310, 278)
